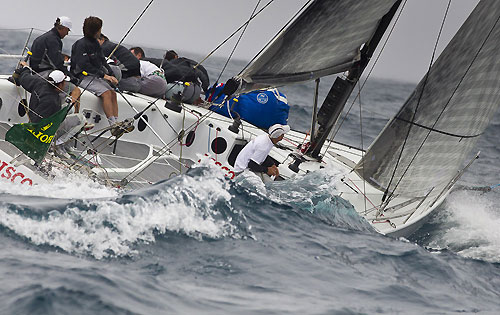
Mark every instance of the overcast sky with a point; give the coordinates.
(200, 25)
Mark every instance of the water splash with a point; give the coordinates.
(317, 193)
(66, 185)
(196, 205)
(470, 222)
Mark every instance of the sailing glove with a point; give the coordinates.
(74, 80)
(231, 86)
(17, 74)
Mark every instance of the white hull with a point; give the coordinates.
(159, 142)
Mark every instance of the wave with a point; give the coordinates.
(193, 204)
(467, 224)
(200, 204)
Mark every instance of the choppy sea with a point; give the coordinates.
(200, 244)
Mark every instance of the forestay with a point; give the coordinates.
(325, 39)
(450, 109)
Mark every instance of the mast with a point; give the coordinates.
(342, 88)
(315, 109)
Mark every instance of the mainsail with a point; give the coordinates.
(325, 39)
(423, 147)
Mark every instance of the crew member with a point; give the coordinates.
(87, 56)
(254, 155)
(46, 56)
(127, 63)
(45, 102)
(153, 81)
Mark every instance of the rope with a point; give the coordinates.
(130, 29)
(236, 45)
(26, 106)
(364, 195)
(234, 33)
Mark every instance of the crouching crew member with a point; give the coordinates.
(45, 102)
(254, 155)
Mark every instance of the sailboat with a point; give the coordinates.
(395, 184)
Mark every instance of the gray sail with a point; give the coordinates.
(325, 39)
(460, 96)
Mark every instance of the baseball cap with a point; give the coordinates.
(58, 76)
(65, 21)
(277, 130)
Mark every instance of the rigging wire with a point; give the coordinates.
(234, 33)
(130, 29)
(362, 146)
(446, 105)
(26, 106)
(237, 42)
(414, 114)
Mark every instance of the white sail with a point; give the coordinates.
(423, 147)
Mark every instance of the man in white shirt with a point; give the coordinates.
(254, 155)
(153, 81)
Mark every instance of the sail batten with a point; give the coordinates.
(459, 97)
(325, 39)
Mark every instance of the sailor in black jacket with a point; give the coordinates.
(128, 64)
(178, 70)
(182, 69)
(45, 101)
(86, 55)
(46, 54)
(47, 48)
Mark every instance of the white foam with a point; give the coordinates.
(113, 228)
(67, 185)
(474, 218)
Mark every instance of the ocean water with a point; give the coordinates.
(200, 244)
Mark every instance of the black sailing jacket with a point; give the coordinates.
(45, 100)
(131, 65)
(47, 53)
(86, 55)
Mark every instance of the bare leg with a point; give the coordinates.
(115, 104)
(75, 94)
(108, 104)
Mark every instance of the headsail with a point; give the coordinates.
(325, 39)
(452, 108)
